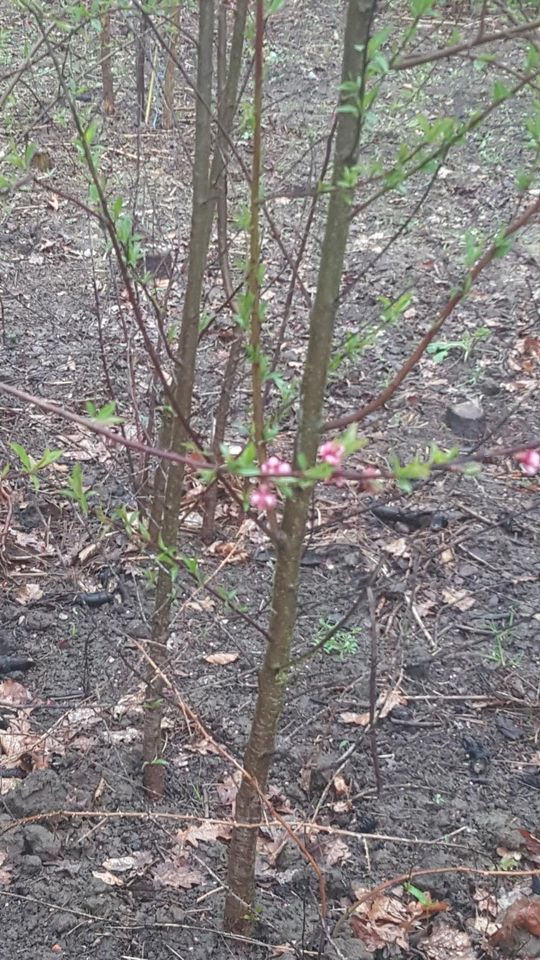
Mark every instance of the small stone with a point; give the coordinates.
(490, 388)
(38, 620)
(41, 841)
(508, 728)
(466, 419)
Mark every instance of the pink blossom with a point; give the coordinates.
(332, 452)
(275, 466)
(263, 498)
(530, 461)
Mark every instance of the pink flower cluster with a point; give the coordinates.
(332, 452)
(530, 461)
(264, 497)
(274, 466)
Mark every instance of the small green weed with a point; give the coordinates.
(343, 642)
(441, 349)
(502, 635)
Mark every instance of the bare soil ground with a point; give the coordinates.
(457, 600)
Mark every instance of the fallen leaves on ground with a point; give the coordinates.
(532, 844)
(5, 869)
(229, 551)
(523, 916)
(132, 861)
(458, 598)
(177, 872)
(222, 658)
(131, 704)
(447, 943)
(205, 832)
(28, 592)
(387, 919)
(14, 694)
(108, 878)
(386, 702)
(227, 788)
(31, 541)
(398, 548)
(383, 920)
(328, 850)
(487, 909)
(22, 748)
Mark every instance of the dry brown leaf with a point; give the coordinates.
(486, 910)
(227, 789)
(177, 873)
(203, 746)
(532, 842)
(388, 699)
(222, 658)
(100, 789)
(523, 915)
(202, 604)
(5, 869)
(86, 449)
(340, 786)
(458, 598)
(87, 552)
(28, 592)
(132, 861)
(204, 832)
(381, 921)
(329, 850)
(357, 719)
(14, 694)
(448, 943)
(229, 550)
(108, 878)
(131, 703)
(127, 735)
(397, 548)
(80, 720)
(27, 540)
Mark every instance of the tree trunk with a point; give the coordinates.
(173, 431)
(218, 165)
(140, 66)
(272, 678)
(170, 70)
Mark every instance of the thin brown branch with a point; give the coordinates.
(465, 46)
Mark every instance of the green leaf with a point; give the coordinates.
(105, 415)
(23, 456)
(423, 898)
(500, 91)
(48, 457)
